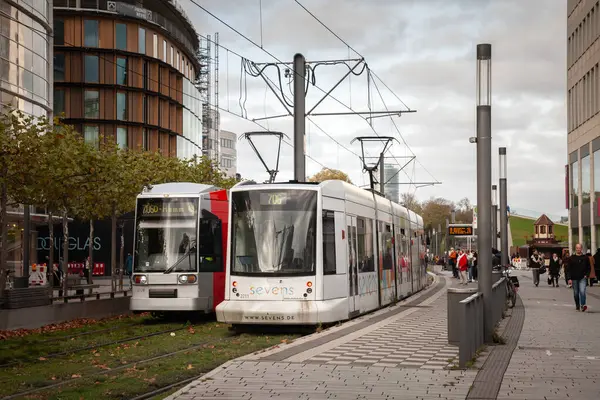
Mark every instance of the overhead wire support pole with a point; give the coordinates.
(299, 117)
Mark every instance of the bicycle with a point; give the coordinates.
(511, 288)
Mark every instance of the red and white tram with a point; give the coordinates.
(180, 241)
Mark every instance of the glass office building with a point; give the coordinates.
(26, 56)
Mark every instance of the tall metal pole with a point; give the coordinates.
(299, 117)
(381, 175)
(453, 220)
(495, 216)
(26, 239)
(503, 205)
(484, 182)
(439, 240)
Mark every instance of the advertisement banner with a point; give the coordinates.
(474, 217)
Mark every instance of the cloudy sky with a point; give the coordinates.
(424, 51)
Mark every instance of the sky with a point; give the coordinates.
(425, 52)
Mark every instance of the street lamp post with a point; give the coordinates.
(503, 207)
(495, 216)
(484, 181)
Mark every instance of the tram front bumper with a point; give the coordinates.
(282, 312)
(176, 304)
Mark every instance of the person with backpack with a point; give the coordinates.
(453, 257)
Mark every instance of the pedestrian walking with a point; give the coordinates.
(554, 269)
(592, 276)
(578, 271)
(536, 264)
(470, 261)
(565, 263)
(463, 265)
(453, 258)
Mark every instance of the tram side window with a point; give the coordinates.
(329, 267)
(210, 244)
(388, 260)
(365, 245)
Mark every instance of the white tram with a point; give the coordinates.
(317, 253)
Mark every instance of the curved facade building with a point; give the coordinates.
(124, 70)
(25, 56)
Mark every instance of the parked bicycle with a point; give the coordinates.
(512, 285)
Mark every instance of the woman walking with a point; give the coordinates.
(554, 270)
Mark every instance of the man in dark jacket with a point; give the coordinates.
(577, 271)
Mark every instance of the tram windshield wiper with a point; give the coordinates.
(186, 254)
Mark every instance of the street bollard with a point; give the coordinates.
(455, 296)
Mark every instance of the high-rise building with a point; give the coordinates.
(125, 70)
(228, 152)
(391, 188)
(583, 122)
(25, 56)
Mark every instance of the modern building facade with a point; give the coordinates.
(26, 56)
(392, 188)
(583, 120)
(228, 152)
(125, 70)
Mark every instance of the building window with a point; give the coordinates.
(122, 106)
(597, 174)
(155, 46)
(145, 109)
(121, 71)
(91, 136)
(145, 75)
(90, 29)
(172, 55)
(585, 179)
(141, 40)
(574, 184)
(59, 101)
(121, 36)
(145, 141)
(91, 104)
(59, 32)
(543, 229)
(122, 137)
(164, 53)
(91, 69)
(329, 267)
(177, 62)
(59, 67)
(226, 162)
(227, 143)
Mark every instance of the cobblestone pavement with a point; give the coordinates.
(402, 356)
(558, 352)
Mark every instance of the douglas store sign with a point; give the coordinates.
(79, 242)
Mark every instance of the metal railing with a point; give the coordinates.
(471, 328)
(471, 320)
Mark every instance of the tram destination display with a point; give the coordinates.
(460, 230)
(154, 208)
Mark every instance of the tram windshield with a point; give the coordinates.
(166, 235)
(274, 232)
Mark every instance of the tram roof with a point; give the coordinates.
(179, 188)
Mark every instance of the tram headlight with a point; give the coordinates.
(187, 279)
(140, 279)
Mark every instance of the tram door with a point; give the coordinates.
(353, 298)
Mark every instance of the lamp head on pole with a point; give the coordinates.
(494, 195)
(484, 74)
(502, 160)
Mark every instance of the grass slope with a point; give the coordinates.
(521, 227)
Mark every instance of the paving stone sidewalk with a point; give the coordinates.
(402, 356)
(558, 352)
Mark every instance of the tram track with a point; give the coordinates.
(122, 367)
(94, 346)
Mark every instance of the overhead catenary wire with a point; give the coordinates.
(373, 74)
(245, 37)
